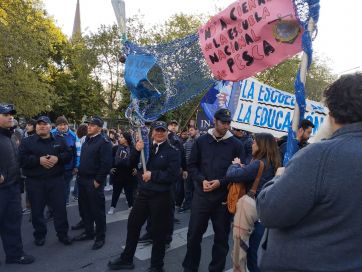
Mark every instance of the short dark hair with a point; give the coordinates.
(305, 124)
(344, 99)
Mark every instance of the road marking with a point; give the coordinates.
(179, 239)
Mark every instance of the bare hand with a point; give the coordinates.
(140, 145)
(53, 159)
(236, 161)
(214, 184)
(206, 186)
(280, 171)
(146, 176)
(113, 171)
(2, 179)
(96, 184)
(184, 174)
(134, 172)
(45, 162)
(75, 171)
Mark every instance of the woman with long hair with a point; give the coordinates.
(122, 171)
(264, 149)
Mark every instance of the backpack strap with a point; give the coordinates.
(256, 182)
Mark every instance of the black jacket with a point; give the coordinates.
(176, 142)
(9, 166)
(210, 159)
(122, 160)
(96, 158)
(164, 167)
(34, 147)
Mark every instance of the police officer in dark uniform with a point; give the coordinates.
(42, 158)
(154, 200)
(95, 164)
(10, 200)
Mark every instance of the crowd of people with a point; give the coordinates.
(306, 213)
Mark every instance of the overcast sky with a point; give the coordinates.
(339, 28)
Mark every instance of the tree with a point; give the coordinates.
(28, 42)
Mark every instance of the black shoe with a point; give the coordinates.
(118, 264)
(83, 237)
(78, 226)
(39, 241)
(183, 209)
(98, 244)
(154, 269)
(24, 259)
(145, 238)
(66, 240)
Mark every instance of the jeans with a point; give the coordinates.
(254, 242)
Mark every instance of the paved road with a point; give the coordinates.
(55, 257)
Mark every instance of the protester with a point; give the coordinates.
(265, 149)
(10, 199)
(210, 158)
(122, 171)
(82, 132)
(154, 200)
(30, 128)
(303, 134)
(246, 141)
(95, 164)
(42, 159)
(312, 210)
(71, 168)
(188, 182)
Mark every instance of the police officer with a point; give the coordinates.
(42, 158)
(154, 200)
(210, 158)
(95, 164)
(10, 201)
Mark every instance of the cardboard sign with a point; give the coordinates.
(250, 36)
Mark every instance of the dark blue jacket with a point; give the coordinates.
(175, 141)
(247, 143)
(248, 173)
(96, 158)
(34, 147)
(9, 166)
(210, 159)
(164, 166)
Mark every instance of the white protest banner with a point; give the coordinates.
(262, 108)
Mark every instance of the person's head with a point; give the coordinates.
(184, 135)
(30, 125)
(95, 125)
(173, 126)
(82, 130)
(43, 126)
(125, 138)
(265, 147)
(159, 131)
(222, 120)
(7, 112)
(62, 124)
(238, 132)
(305, 130)
(192, 132)
(344, 100)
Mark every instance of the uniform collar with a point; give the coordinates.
(6, 132)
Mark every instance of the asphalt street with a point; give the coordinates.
(55, 257)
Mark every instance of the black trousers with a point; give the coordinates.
(47, 191)
(201, 211)
(126, 182)
(157, 206)
(10, 221)
(92, 203)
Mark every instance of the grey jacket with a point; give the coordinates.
(314, 210)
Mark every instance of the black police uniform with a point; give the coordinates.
(10, 201)
(45, 186)
(154, 200)
(95, 164)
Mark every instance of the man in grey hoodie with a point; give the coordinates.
(314, 209)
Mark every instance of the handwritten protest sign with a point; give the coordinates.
(257, 107)
(250, 36)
